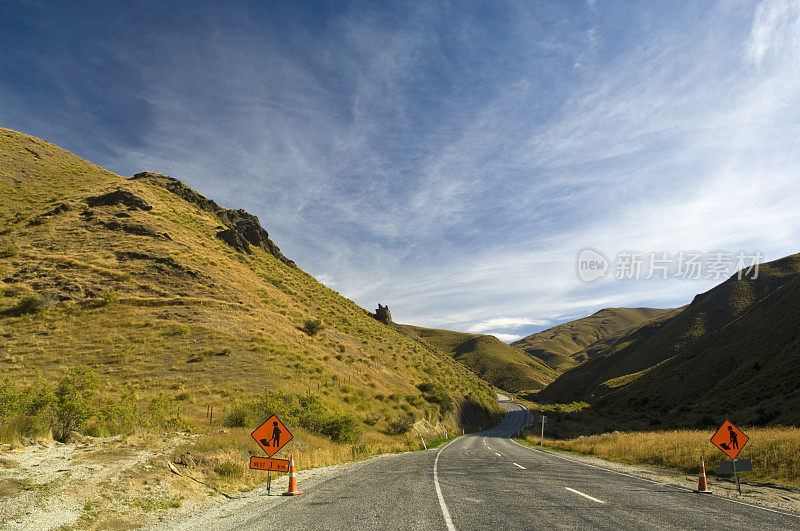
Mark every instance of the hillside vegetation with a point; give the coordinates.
(503, 365)
(570, 344)
(174, 305)
(734, 352)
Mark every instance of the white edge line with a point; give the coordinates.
(445, 511)
(768, 509)
(520, 466)
(579, 493)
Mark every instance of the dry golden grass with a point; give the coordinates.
(775, 452)
(186, 316)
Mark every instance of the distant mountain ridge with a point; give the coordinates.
(502, 365)
(734, 351)
(569, 344)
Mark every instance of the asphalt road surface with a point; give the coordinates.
(487, 481)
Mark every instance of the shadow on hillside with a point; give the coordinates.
(473, 416)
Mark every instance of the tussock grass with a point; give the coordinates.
(774, 451)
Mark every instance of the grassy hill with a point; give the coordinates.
(507, 367)
(570, 344)
(733, 352)
(181, 306)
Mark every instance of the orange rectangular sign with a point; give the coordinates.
(264, 463)
(272, 435)
(729, 439)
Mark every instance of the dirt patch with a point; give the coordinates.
(104, 456)
(108, 483)
(12, 486)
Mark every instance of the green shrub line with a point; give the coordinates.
(312, 326)
(308, 411)
(37, 411)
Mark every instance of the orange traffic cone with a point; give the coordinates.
(702, 485)
(292, 480)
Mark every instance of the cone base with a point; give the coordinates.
(702, 491)
(296, 492)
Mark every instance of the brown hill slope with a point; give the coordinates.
(507, 367)
(734, 351)
(152, 285)
(569, 344)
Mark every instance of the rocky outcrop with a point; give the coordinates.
(383, 314)
(119, 197)
(242, 231)
(178, 188)
(64, 207)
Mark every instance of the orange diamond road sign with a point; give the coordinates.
(272, 435)
(264, 463)
(729, 439)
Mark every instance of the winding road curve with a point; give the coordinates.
(487, 481)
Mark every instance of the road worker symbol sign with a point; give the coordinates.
(272, 435)
(729, 439)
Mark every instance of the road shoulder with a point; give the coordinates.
(769, 496)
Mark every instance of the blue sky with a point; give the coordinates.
(447, 159)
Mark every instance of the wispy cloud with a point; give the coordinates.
(499, 323)
(508, 338)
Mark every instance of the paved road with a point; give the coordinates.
(487, 481)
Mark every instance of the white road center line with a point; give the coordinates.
(579, 493)
(448, 521)
(518, 465)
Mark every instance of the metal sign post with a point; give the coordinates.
(541, 443)
(271, 437)
(731, 440)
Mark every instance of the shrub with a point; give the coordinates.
(164, 414)
(343, 429)
(121, 416)
(24, 412)
(437, 394)
(237, 415)
(110, 297)
(74, 401)
(34, 304)
(196, 357)
(312, 327)
(400, 425)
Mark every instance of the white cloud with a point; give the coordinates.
(775, 29)
(503, 323)
(506, 338)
